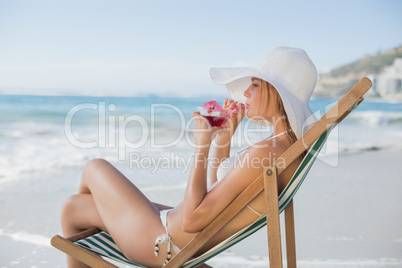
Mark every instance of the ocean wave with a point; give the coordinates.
(380, 100)
(376, 118)
(34, 115)
(20, 157)
(20, 134)
(48, 113)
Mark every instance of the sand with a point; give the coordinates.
(349, 215)
(346, 216)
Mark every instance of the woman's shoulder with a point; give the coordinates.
(278, 145)
(269, 150)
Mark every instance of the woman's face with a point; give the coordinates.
(254, 94)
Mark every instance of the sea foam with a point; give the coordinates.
(28, 238)
(376, 118)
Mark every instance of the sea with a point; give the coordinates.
(46, 133)
(45, 141)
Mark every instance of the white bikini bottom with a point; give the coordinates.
(165, 238)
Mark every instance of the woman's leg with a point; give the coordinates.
(79, 213)
(109, 201)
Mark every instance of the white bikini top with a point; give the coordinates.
(230, 162)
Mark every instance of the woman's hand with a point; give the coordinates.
(228, 129)
(203, 132)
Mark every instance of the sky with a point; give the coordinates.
(140, 48)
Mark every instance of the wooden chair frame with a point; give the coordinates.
(267, 183)
(334, 116)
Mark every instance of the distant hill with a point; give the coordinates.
(339, 80)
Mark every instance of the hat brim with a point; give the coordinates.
(235, 79)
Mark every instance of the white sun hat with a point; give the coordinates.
(289, 70)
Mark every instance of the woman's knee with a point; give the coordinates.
(79, 211)
(95, 164)
(70, 207)
(92, 167)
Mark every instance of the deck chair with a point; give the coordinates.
(89, 245)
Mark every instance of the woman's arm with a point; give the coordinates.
(224, 136)
(196, 188)
(235, 181)
(221, 152)
(194, 205)
(197, 182)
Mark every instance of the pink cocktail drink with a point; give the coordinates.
(215, 114)
(216, 121)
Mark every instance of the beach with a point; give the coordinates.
(347, 212)
(345, 216)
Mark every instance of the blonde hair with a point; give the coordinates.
(267, 88)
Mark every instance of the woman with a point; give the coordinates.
(276, 90)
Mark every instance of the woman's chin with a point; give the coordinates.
(249, 114)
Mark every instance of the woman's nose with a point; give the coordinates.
(246, 93)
